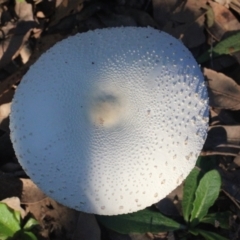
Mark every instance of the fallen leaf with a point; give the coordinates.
(223, 21)
(64, 8)
(225, 3)
(24, 10)
(141, 17)
(52, 216)
(235, 5)
(30, 192)
(116, 20)
(17, 33)
(163, 10)
(42, 45)
(187, 23)
(224, 92)
(222, 140)
(4, 113)
(222, 117)
(237, 160)
(14, 203)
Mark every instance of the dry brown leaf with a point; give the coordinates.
(14, 203)
(191, 34)
(235, 5)
(43, 44)
(24, 10)
(54, 218)
(116, 20)
(222, 140)
(64, 8)
(224, 21)
(31, 194)
(225, 3)
(12, 46)
(4, 112)
(222, 117)
(16, 34)
(224, 92)
(187, 23)
(237, 160)
(188, 11)
(142, 18)
(222, 150)
(221, 135)
(163, 9)
(47, 211)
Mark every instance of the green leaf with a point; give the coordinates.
(9, 221)
(210, 235)
(229, 45)
(28, 236)
(190, 186)
(220, 219)
(193, 231)
(31, 222)
(142, 221)
(206, 194)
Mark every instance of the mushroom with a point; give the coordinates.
(112, 120)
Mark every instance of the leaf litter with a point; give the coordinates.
(210, 29)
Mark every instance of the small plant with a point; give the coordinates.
(199, 194)
(13, 227)
(227, 46)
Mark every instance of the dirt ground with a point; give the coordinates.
(29, 28)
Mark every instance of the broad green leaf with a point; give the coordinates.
(9, 221)
(210, 235)
(206, 194)
(28, 236)
(193, 231)
(142, 221)
(190, 186)
(31, 222)
(220, 219)
(229, 45)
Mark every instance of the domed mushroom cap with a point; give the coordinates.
(111, 121)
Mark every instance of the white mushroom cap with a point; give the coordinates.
(110, 121)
